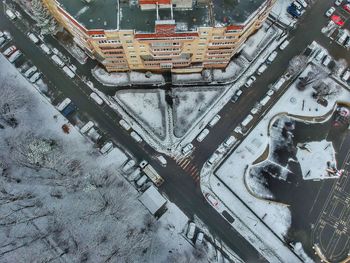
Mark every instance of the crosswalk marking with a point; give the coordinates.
(188, 167)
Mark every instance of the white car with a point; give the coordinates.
(30, 71)
(2, 40)
(284, 44)
(271, 57)
(202, 135)
(250, 81)
(15, 56)
(35, 77)
(124, 124)
(330, 11)
(191, 230)
(303, 3)
(96, 98)
(338, 2)
(214, 120)
(187, 148)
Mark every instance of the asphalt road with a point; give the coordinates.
(179, 186)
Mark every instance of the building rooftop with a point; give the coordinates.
(126, 14)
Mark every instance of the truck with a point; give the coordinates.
(151, 173)
(69, 109)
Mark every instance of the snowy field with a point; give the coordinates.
(257, 42)
(279, 11)
(62, 200)
(126, 79)
(148, 106)
(299, 104)
(313, 158)
(190, 105)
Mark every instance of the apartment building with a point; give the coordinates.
(182, 36)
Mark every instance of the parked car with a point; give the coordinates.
(261, 69)
(302, 2)
(10, 14)
(271, 57)
(33, 37)
(199, 238)
(15, 56)
(136, 137)
(337, 20)
(8, 52)
(346, 75)
(284, 44)
(338, 2)
(330, 11)
(2, 40)
(347, 7)
(187, 148)
(326, 61)
(250, 81)
(211, 199)
(214, 120)
(96, 98)
(190, 231)
(235, 97)
(35, 77)
(202, 135)
(162, 160)
(297, 5)
(230, 141)
(293, 11)
(30, 71)
(124, 124)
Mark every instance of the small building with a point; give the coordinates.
(153, 201)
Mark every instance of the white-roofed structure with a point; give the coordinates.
(152, 200)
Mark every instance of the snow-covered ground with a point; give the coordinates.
(190, 105)
(148, 107)
(313, 158)
(233, 171)
(279, 11)
(257, 42)
(126, 79)
(62, 199)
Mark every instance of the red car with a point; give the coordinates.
(347, 7)
(337, 19)
(8, 52)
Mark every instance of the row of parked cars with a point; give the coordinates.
(204, 133)
(259, 71)
(55, 56)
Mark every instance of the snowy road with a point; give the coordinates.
(179, 185)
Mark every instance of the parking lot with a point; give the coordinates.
(339, 23)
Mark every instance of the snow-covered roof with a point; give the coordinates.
(152, 199)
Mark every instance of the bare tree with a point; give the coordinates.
(44, 19)
(11, 104)
(296, 64)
